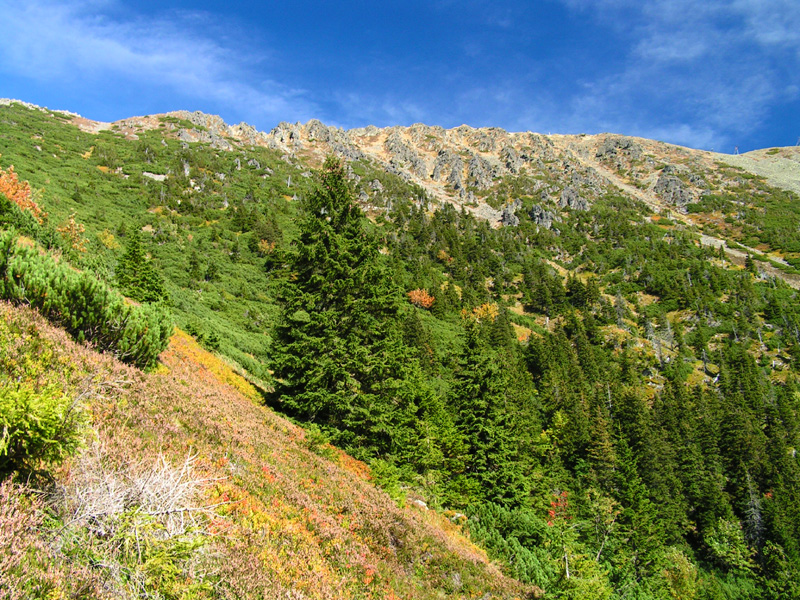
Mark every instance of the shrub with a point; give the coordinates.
(140, 524)
(421, 298)
(38, 427)
(87, 308)
(19, 192)
(29, 567)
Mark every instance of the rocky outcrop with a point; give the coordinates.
(486, 139)
(449, 166)
(340, 144)
(317, 132)
(612, 146)
(206, 137)
(485, 212)
(542, 217)
(248, 134)
(570, 198)
(511, 159)
(508, 217)
(480, 172)
(402, 156)
(284, 134)
(673, 191)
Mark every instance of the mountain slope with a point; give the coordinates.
(605, 389)
(292, 515)
(468, 167)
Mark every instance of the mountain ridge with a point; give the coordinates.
(464, 165)
(452, 164)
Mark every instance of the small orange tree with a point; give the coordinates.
(421, 298)
(19, 192)
(72, 232)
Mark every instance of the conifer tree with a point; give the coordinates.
(484, 421)
(339, 358)
(136, 275)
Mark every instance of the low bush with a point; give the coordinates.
(29, 566)
(37, 427)
(142, 524)
(87, 308)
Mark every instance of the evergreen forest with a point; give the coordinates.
(607, 406)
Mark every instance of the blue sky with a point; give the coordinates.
(706, 74)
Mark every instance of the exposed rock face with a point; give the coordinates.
(480, 172)
(511, 159)
(486, 140)
(403, 156)
(508, 218)
(673, 191)
(543, 218)
(449, 165)
(673, 170)
(619, 145)
(347, 151)
(284, 134)
(698, 181)
(487, 213)
(198, 135)
(248, 134)
(571, 199)
(316, 131)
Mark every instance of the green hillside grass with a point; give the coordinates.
(606, 406)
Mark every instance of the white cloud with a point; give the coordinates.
(703, 72)
(382, 111)
(771, 22)
(79, 43)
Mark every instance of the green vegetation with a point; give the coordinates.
(85, 307)
(613, 409)
(339, 359)
(38, 427)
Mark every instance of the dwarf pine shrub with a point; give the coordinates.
(77, 301)
(37, 427)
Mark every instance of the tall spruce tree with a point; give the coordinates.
(339, 359)
(136, 274)
(484, 420)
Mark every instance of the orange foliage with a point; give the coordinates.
(421, 298)
(484, 312)
(443, 256)
(265, 247)
(19, 192)
(72, 232)
(210, 368)
(356, 467)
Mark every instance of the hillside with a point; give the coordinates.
(283, 514)
(467, 166)
(582, 349)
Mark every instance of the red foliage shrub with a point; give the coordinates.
(19, 192)
(421, 298)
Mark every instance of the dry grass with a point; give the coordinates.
(289, 523)
(29, 565)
